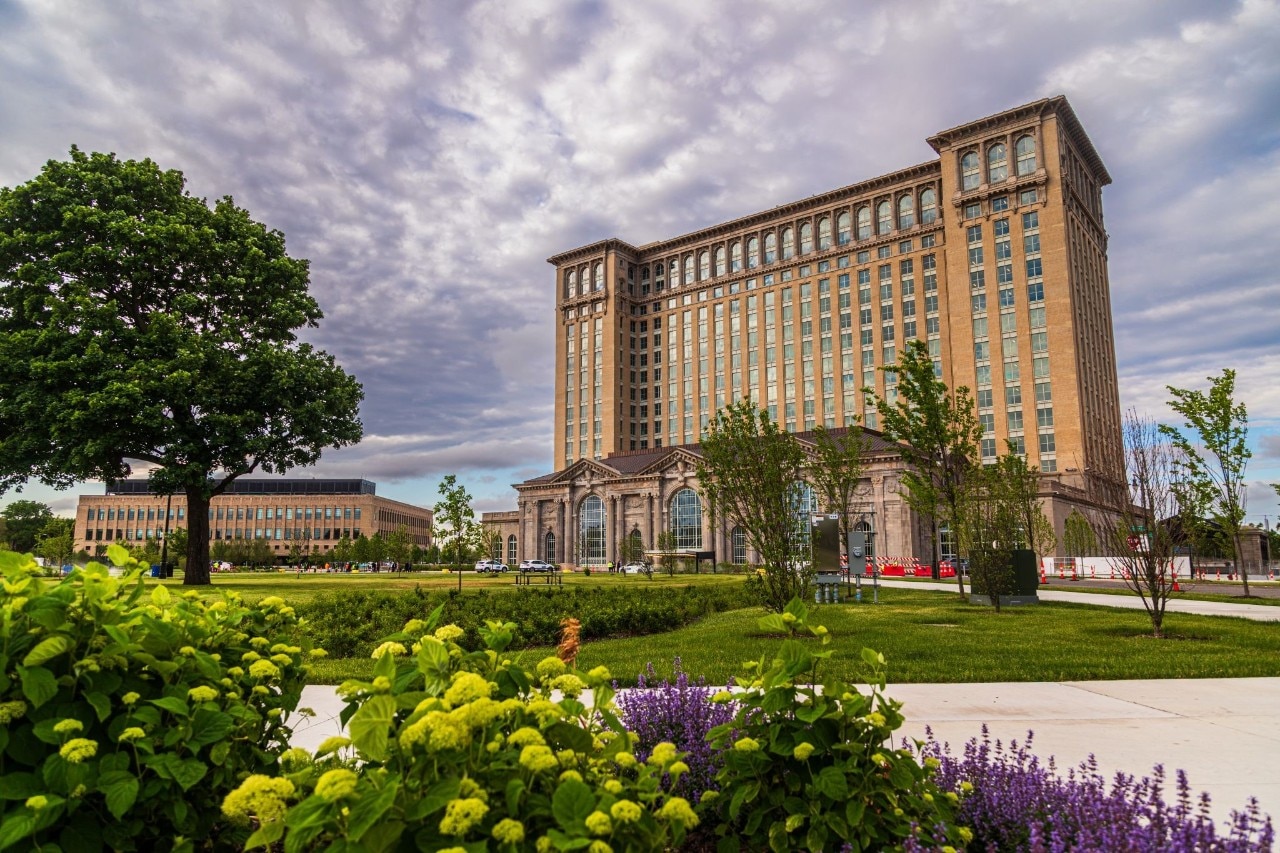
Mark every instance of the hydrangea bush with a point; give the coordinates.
(462, 750)
(126, 716)
(1015, 803)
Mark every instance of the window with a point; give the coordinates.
(1030, 221)
(753, 252)
(1031, 244)
(1044, 418)
(978, 302)
(549, 547)
(973, 210)
(806, 238)
(1034, 268)
(906, 213)
(997, 164)
(1006, 297)
(844, 228)
(591, 529)
(511, 550)
(735, 256)
(770, 247)
(982, 351)
(884, 218)
(738, 546)
(720, 267)
(1013, 395)
(999, 203)
(704, 265)
(928, 207)
(864, 227)
(824, 233)
(973, 234)
(788, 243)
(686, 520)
(688, 269)
(599, 283)
(1027, 197)
(1047, 444)
(1039, 341)
(970, 175)
(1026, 152)
(1044, 392)
(1015, 419)
(571, 284)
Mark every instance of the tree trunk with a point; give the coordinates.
(935, 573)
(1244, 573)
(197, 573)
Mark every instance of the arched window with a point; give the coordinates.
(686, 520)
(571, 284)
(869, 534)
(704, 265)
(591, 527)
(753, 252)
(770, 247)
(511, 550)
(688, 269)
(788, 243)
(1026, 149)
(946, 543)
(806, 238)
(824, 233)
(928, 207)
(864, 223)
(997, 164)
(906, 213)
(549, 547)
(497, 549)
(970, 176)
(735, 256)
(637, 545)
(804, 503)
(884, 217)
(719, 260)
(844, 229)
(599, 277)
(674, 278)
(738, 546)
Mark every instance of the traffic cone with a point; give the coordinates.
(1043, 579)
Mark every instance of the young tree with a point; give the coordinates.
(137, 323)
(750, 469)
(667, 548)
(1215, 458)
(1078, 538)
(938, 434)
(836, 472)
(178, 544)
(490, 542)
(1138, 537)
(24, 520)
(361, 552)
(400, 545)
(631, 550)
(57, 541)
(344, 550)
(455, 520)
(988, 526)
(1019, 484)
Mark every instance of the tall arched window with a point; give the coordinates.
(571, 284)
(970, 175)
(928, 207)
(738, 546)
(1026, 150)
(753, 252)
(844, 229)
(497, 549)
(549, 547)
(599, 277)
(824, 233)
(788, 243)
(869, 534)
(719, 260)
(686, 520)
(674, 278)
(591, 527)
(997, 164)
(804, 503)
(864, 223)
(735, 256)
(688, 269)
(884, 217)
(704, 265)
(637, 545)
(770, 247)
(806, 238)
(906, 213)
(511, 550)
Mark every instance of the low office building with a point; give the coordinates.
(314, 514)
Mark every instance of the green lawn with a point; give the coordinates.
(1199, 591)
(933, 637)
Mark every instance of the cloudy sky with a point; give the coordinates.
(427, 157)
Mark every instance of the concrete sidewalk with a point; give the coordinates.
(1225, 732)
(1257, 612)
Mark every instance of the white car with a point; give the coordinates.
(491, 566)
(536, 566)
(637, 569)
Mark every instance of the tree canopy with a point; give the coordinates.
(23, 522)
(456, 528)
(140, 324)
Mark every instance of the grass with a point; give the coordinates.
(933, 637)
(1191, 592)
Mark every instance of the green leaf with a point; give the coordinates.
(172, 704)
(265, 835)
(38, 685)
(14, 828)
(562, 841)
(831, 783)
(189, 772)
(562, 735)
(438, 796)
(369, 809)
(571, 803)
(48, 649)
(19, 786)
(208, 726)
(369, 726)
(101, 704)
(118, 554)
(385, 666)
(121, 790)
(515, 787)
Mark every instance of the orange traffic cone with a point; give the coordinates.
(1043, 579)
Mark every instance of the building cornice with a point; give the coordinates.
(591, 251)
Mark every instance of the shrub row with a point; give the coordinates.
(351, 623)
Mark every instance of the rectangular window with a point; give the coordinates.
(886, 312)
(1047, 444)
(1004, 274)
(1034, 268)
(1027, 197)
(1037, 317)
(1031, 244)
(932, 326)
(1015, 419)
(1008, 323)
(1030, 221)
(978, 302)
(1040, 342)
(984, 374)
(1035, 292)
(999, 203)
(1040, 366)
(977, 279)
(1006, 297)
(988, 422)
(980, 327)
(988, 448)
(984, 398)
(973, 234)
(1044, 418)
(973, 210)
(975, 256)
(982, 351)
(931, 304)
(1011, 373)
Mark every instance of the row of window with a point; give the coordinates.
(141, 534)
(239, 513)
(997, 170)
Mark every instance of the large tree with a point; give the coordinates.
(140, 324)
(750, 470)
(1215, 456)
(455, 521)
(938, 434)
(24, 520)
(836, 472)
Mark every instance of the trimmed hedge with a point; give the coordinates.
(351, 624)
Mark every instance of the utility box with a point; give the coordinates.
(825, 537)
(857, 553)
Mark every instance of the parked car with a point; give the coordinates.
(490, 566)
(637, 569)
(536, 566)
